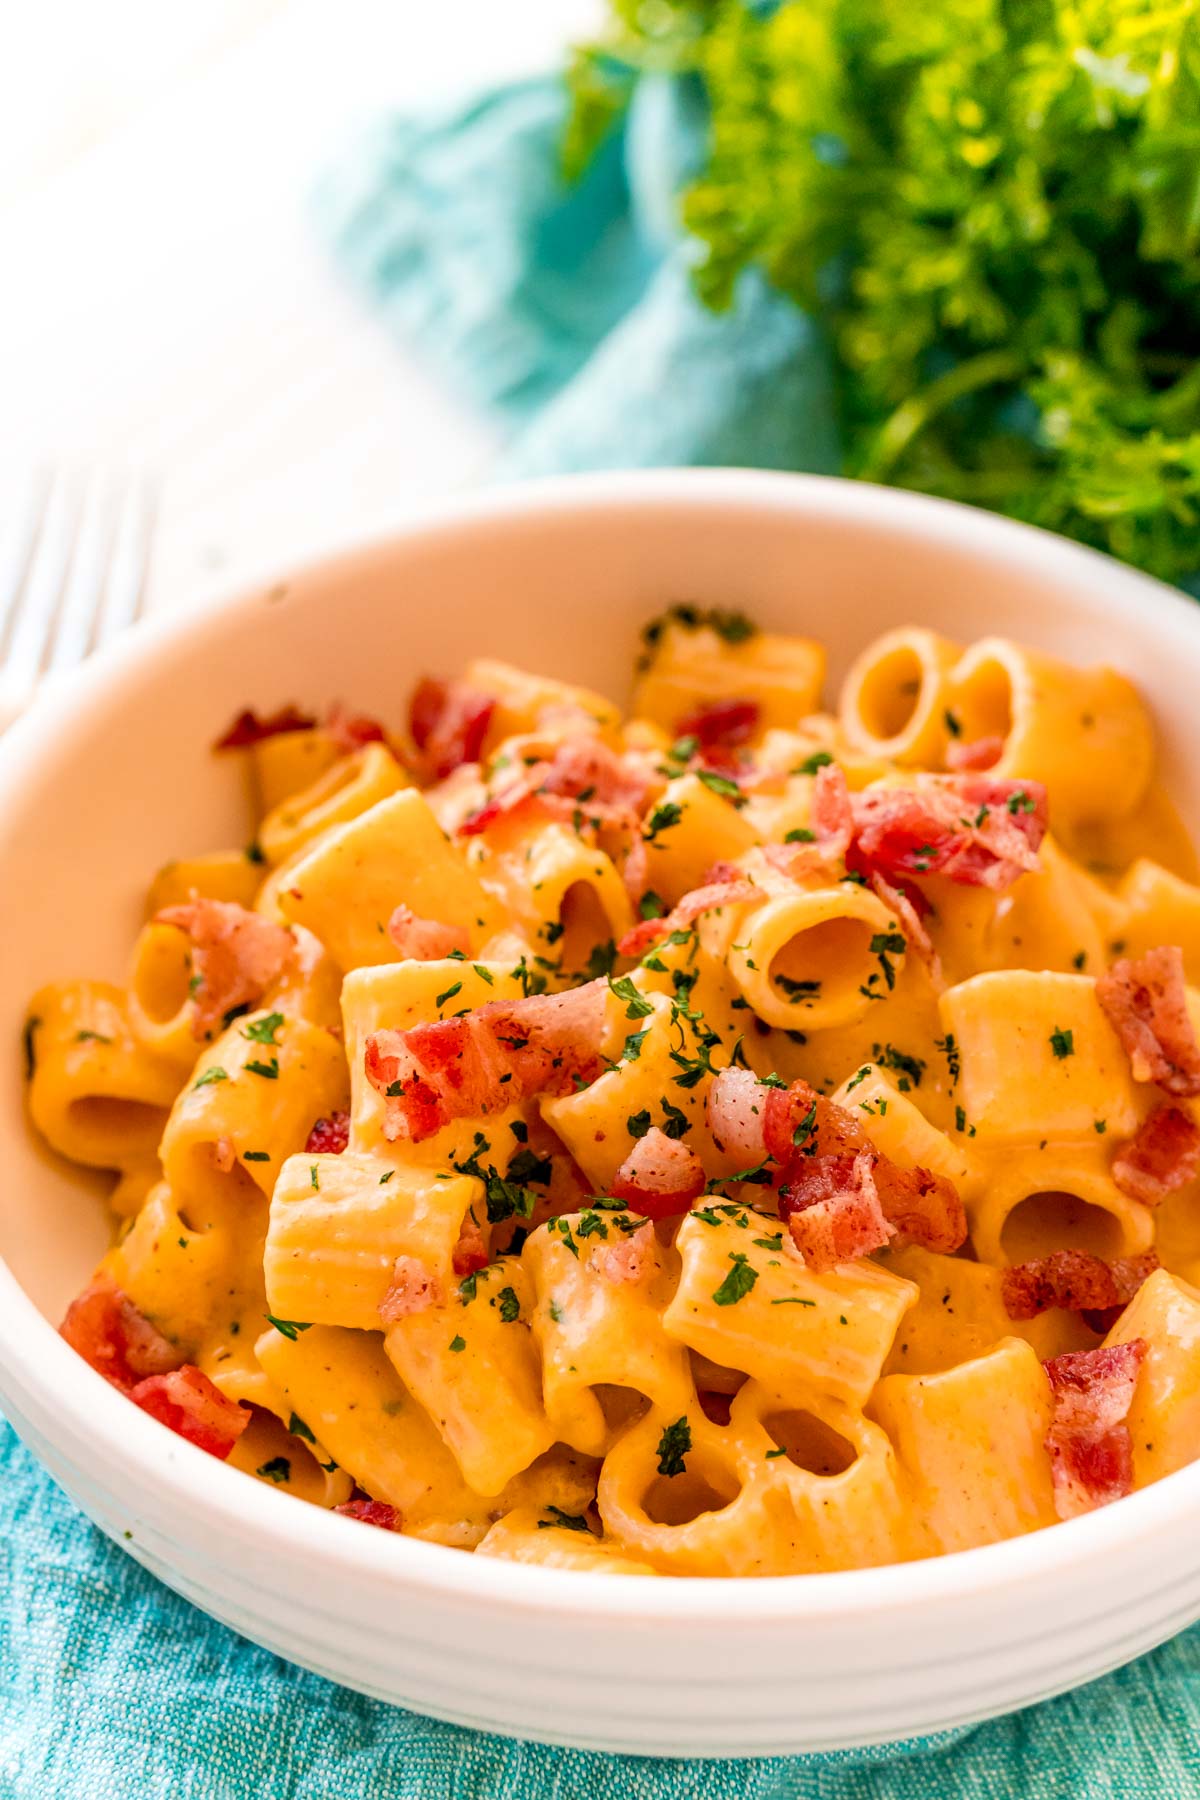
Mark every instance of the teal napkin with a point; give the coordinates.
(567, 315)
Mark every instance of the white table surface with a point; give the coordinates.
(167, 305)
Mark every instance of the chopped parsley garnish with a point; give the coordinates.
(952, 722)
(458, 1343)
(455, 988)
(806, 1127)
(268, 1071)
(1062, 1043)
(1020, 802)
(722, 785)
(565, 1520)
(950, 1050)
(820, 759)
(600, 961)
(313, 1180)
(666, 814)
(288, 1328)
(1079, 959)
(676, 1123)
(256, 1156)
(384, 1179)
(279, 1469)
(792, 1300)
(509, 1306)
(651, 905)
(525, 1165)
(885, 945)
(732, 627)
(209, 1077)
(799, 834)
(796, 990)
(299, 1429)
(909, 1068)
(738, 1282)
(636, 1005)
(484, 974)
(632, 1047)
(673, 1447)
(638, 1124)
(27, 1037)
(253, 853)
(555, 1311)
(262, 1031)
(1101, 1126)
(91, 1037)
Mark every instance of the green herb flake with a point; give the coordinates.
(673, 1446)
(738, 1282)
(262, 1031)
(299, 1429)
(1062, 1043)
(508, 1305)
(458, 1343)
(268, 1071)
(564, 1520)
(210, 1077)
(279, 1469)
(288, 1328)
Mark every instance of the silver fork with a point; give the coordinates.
(73, 567)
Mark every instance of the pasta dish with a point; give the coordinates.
(731, 1139)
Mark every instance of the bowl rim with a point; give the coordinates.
(47, 1379)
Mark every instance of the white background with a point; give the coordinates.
(163, 301)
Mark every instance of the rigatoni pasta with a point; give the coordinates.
(736, 1140)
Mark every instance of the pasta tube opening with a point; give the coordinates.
(810, 1443)
(813, 961)
(893, 700)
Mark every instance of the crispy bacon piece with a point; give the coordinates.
(470, 1252)
(629, 1260)
(350, 731)
(425, 940)
(1146, 1005)
(414, 1288)
(236, 955)
(248, 729)
(846, 1221)
(701, 900)
(1164, 1156)
(189, 1404)
(975, 829)
(329, 1136)
(104, 1327)
(1075, 1281)
(722, 724)
(491, 1058)
(582, 777)
(908, 903)
(1091, 1454)
(660, 1177)
(448, 722)
(814, 1142)
(832, 814)
(372, 1512)
(980, 753)
(733, 1111)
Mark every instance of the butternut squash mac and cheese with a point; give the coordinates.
(737, 1139)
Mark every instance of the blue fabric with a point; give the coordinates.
(567, 314)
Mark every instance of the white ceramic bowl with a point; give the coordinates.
(98, 789)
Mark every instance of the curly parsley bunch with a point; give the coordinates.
(994, 205)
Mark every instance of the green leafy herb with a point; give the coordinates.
(279, 1469)
(256, 1156)
(638, 1124)
(799, 834)
(288, 1328)
(268, 1071)
(673, 1446)
(253, 853)
(1062, 1043)
(209, 1077)
(458, 1343)
(636, 1005)
(885, 945)
(820, 759)
(738, 1282)
(666, 814)
(299, 1429)
(509, 1306)
(262, 1031)
(722, 785)
(567, 1521)
(651, 905)
(27, 1041)
(455, 988)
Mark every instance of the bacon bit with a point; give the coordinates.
(700, 900)
(907, 902)
(1091, 1454)
(470, 1252)
(496, 1056)
(975, 829)
(723, 724)
(104, 1327)
(329, 1136)
(372, 1512)
(236, 955)
(248, 729)
(845, 1222)
(832, 813)
(733, 1112)
(981, 753)
(615, 787)
(629, 1260)
(189, 1404)
(448, 721)
(924, 1207)
(1074, 1281)
(660, 1177)
(414, 1288)
(350, 731)
(1146, 1005)
(1164, 1156)
(425, 940)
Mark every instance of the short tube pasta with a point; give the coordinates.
(683, 1145)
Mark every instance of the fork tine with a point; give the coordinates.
(84, 595)
(22, 524)
(126, 596)
(40, 596)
